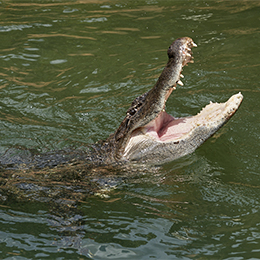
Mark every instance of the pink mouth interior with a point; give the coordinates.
(166, 128)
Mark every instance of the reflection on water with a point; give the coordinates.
(68, 72)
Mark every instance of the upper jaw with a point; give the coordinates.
(181, 52)
(186, 55)
(147, 107)
(185, 51)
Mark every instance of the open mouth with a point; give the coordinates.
(149, 133)
(166, 128)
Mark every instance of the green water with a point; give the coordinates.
(68, 72)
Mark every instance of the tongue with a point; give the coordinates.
(175, 129)
(166, 128)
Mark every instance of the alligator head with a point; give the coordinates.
(149, 134)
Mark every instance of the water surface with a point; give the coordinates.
(69, 71)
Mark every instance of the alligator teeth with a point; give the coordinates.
(179, 82)
(189, 49)
(194, 44)
(188, 54)
(181, 76)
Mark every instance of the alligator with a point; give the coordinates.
(148, 134)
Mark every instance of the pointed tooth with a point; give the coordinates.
(179, 82)
(189, 49)
(181, 76)
(191, 61)
(188, 54)
(194, 44)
